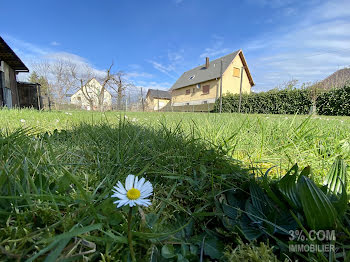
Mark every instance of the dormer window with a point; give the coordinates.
(191, 77)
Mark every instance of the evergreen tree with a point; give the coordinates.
(35, 78)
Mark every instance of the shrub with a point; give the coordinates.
(287, 101)
(334, 102)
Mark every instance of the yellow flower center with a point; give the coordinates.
(133, 194)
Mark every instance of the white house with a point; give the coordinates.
(89, 96)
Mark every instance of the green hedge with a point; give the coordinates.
(288, 101)
(334, 102)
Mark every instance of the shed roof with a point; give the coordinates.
(201, 74)
(10, 57)
(159, 94)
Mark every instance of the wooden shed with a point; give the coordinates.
(13, 93)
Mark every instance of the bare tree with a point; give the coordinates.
(66, 77)
(63, 80)
(120, 85)
(59, 76)
(42, 68)
(116, 83)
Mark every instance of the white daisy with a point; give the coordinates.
(135, 192)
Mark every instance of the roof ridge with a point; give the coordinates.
(197, 74)
(219, 58)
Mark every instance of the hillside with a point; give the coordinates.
(335, 80)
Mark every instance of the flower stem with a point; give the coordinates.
(131, 248)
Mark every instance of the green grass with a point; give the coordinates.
(257, 140)
(57, 170)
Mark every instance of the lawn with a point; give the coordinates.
(58, 168)
(262, 141)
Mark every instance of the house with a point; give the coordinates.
(199, 88)
(89, 96)
(157, 99)
(12, 93)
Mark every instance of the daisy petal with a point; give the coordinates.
(135, 181)
(119, 190)
(120, 196)
(146, 195)
(121, 187)
(129, 182)
(123, 203)
(140, 183)
(146, 188)
(143, 202)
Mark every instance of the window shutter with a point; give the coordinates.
(206, 89)
(236, 71)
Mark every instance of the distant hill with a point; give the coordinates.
(335, 80)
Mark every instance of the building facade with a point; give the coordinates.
(90, 97)
(199, 88)
(10, 66)
(157, 99)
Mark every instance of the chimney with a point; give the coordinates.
(207, 62)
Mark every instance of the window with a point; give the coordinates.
(188, 91)
(191, 77)
(187, 104)
(79, 98)
(236, 71)
(205, 102)
(206, 89)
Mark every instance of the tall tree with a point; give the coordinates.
(64, 76)
(44, 83)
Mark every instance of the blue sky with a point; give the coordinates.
(154, 42)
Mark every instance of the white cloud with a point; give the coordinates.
(333, 9)
(166, 69)
(24, 48)
(174, 63)
(138, 75)
(271, 3)
(216, 49)
(32, 54)
(134, 67)
(290, 11)
(54, 43)
(154, 85)
(309, 50)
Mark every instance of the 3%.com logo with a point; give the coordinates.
(312, 235)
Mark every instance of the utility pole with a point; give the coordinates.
(126, 104)
(143, 104)
(38, 95)
(221, 87)
(158, 98)
(240, 91)
(129, 101)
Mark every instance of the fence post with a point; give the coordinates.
(240, 91)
